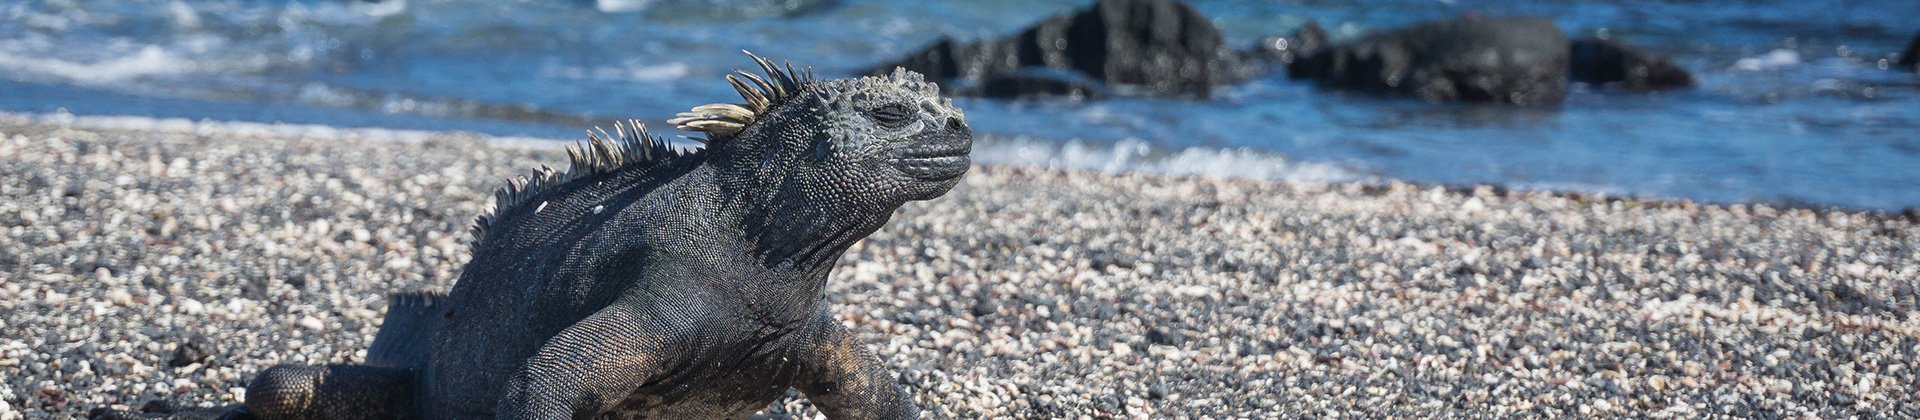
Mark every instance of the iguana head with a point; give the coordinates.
(869, 142)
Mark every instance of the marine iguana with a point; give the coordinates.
(645, 282)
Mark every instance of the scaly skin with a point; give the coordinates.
(648, 283)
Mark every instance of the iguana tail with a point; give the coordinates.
(407, 333)
(383, 387)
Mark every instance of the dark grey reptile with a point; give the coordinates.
(644, 282)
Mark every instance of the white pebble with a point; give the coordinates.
(120, 297)
(311, 323)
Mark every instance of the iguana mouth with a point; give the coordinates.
(935, 152)
(934, 168)
(935, 162)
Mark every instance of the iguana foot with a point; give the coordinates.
(331, 392)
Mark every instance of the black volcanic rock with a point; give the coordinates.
(1604, 61)
(1521, 61)
(1910, 59)
(1147, 47)
(1042, 81)
(195, 349)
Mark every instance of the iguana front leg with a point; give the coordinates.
(590, 366)
(846, 381)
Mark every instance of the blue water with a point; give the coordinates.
(1793, 104)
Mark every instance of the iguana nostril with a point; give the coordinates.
(956, 123)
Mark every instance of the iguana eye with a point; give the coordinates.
(893, 116)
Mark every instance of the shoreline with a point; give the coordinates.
(1025, 292)
(1094, 159)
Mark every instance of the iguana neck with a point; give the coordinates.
(796, 237)
(792, 232)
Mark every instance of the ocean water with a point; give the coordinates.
(1794, 105)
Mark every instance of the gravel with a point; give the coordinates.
(171, 265)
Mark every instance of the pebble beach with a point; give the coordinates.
(164, 266)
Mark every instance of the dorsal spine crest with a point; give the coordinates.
(629, 146)
(762, 95)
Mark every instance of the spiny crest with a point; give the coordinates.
(915, 82)
(842, 93)
(762, 94)
(629, 145)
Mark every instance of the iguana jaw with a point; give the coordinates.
(939, 168)
(939, 155)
